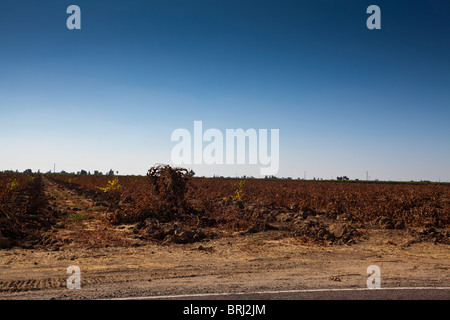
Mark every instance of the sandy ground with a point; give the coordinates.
(238, 264)
(234, 263)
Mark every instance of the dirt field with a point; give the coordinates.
(116, 261)
(235, 264)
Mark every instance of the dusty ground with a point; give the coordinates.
(230, 263)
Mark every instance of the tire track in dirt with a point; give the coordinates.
(31, 284)
(50, 283)
(22, 285)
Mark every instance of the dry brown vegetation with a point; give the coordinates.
(169, 205)
(24, 211)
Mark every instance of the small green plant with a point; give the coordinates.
(63, 195)
(79, 217)
(113, 185)
(97, 209)
(29, 178)
(256, 240)
(239, 190)
(13, 185)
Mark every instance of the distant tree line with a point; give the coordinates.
(82, 172)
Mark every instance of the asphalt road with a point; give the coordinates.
(319, 294)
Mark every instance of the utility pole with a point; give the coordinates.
(54, 168)
(367, 175)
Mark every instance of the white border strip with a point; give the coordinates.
(276, 292)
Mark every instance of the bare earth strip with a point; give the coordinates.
(238, 263)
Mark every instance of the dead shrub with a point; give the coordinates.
(168, 187)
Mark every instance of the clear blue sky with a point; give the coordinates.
(346, 99)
